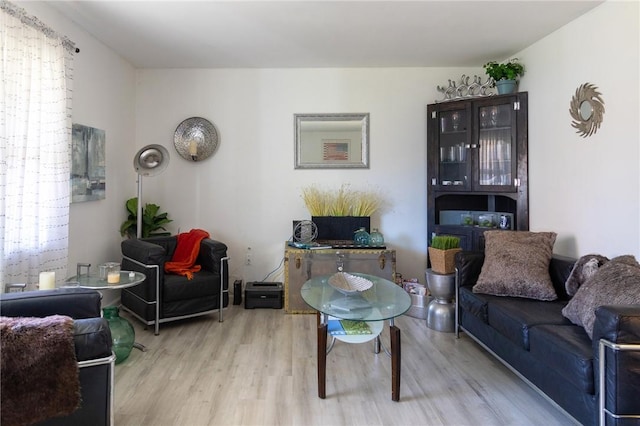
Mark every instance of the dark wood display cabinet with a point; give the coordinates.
(477, 167)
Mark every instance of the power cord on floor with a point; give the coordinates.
(275, 270)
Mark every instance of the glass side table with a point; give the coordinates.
(122, 331)
(385, 300)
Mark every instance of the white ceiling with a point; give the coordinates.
(283, 34)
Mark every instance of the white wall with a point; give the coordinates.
(103, 97)
(248, 193)
(586, 189)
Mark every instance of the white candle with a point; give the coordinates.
(47, 280)
(113, 277)
(193, 148)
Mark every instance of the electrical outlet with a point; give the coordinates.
(248, 259)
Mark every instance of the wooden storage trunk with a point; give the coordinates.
(301, 265)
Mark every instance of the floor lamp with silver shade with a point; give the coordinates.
(149, 161)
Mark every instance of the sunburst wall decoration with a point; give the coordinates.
(586, 109)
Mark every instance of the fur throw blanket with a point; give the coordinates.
(39, 372)
(187, 250)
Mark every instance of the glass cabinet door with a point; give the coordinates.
(496, 141)
(477, 166)
(454, 159)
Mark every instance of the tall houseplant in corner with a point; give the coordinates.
(505, 74)
(152, 220)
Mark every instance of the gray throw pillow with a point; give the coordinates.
(516, 263)
(584, 268)
(617, 282)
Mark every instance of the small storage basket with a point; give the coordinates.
(419, 302)
(443, 261)
(419, 305)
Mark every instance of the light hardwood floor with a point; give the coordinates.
(258, 367)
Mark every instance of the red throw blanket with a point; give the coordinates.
(184, 258)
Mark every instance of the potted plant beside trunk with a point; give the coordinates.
(442, 253)
(504, 74)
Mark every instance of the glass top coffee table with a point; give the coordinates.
(385, 300)
(127, 279)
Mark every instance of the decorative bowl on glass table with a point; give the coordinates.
(349, 284)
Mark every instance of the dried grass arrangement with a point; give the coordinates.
(344, 202)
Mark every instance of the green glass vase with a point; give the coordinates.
(122, 333)
(376, 239)
(361, 237)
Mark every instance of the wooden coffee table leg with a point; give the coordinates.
(395, 362)
(322, 359)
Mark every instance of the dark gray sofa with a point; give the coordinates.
(558, 358)
(92, 341)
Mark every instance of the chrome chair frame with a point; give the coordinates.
(111, 361)
(617, 347)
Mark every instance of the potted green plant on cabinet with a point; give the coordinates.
(504, 74)
(442, 253)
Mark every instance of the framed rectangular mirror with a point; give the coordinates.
(331, 141)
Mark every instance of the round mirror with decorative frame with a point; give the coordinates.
(586, 109)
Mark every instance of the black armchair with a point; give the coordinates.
(92, 342)
(167, 297)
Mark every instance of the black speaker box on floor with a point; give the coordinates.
(237, 292)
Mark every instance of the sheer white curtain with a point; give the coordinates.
(35, 143)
